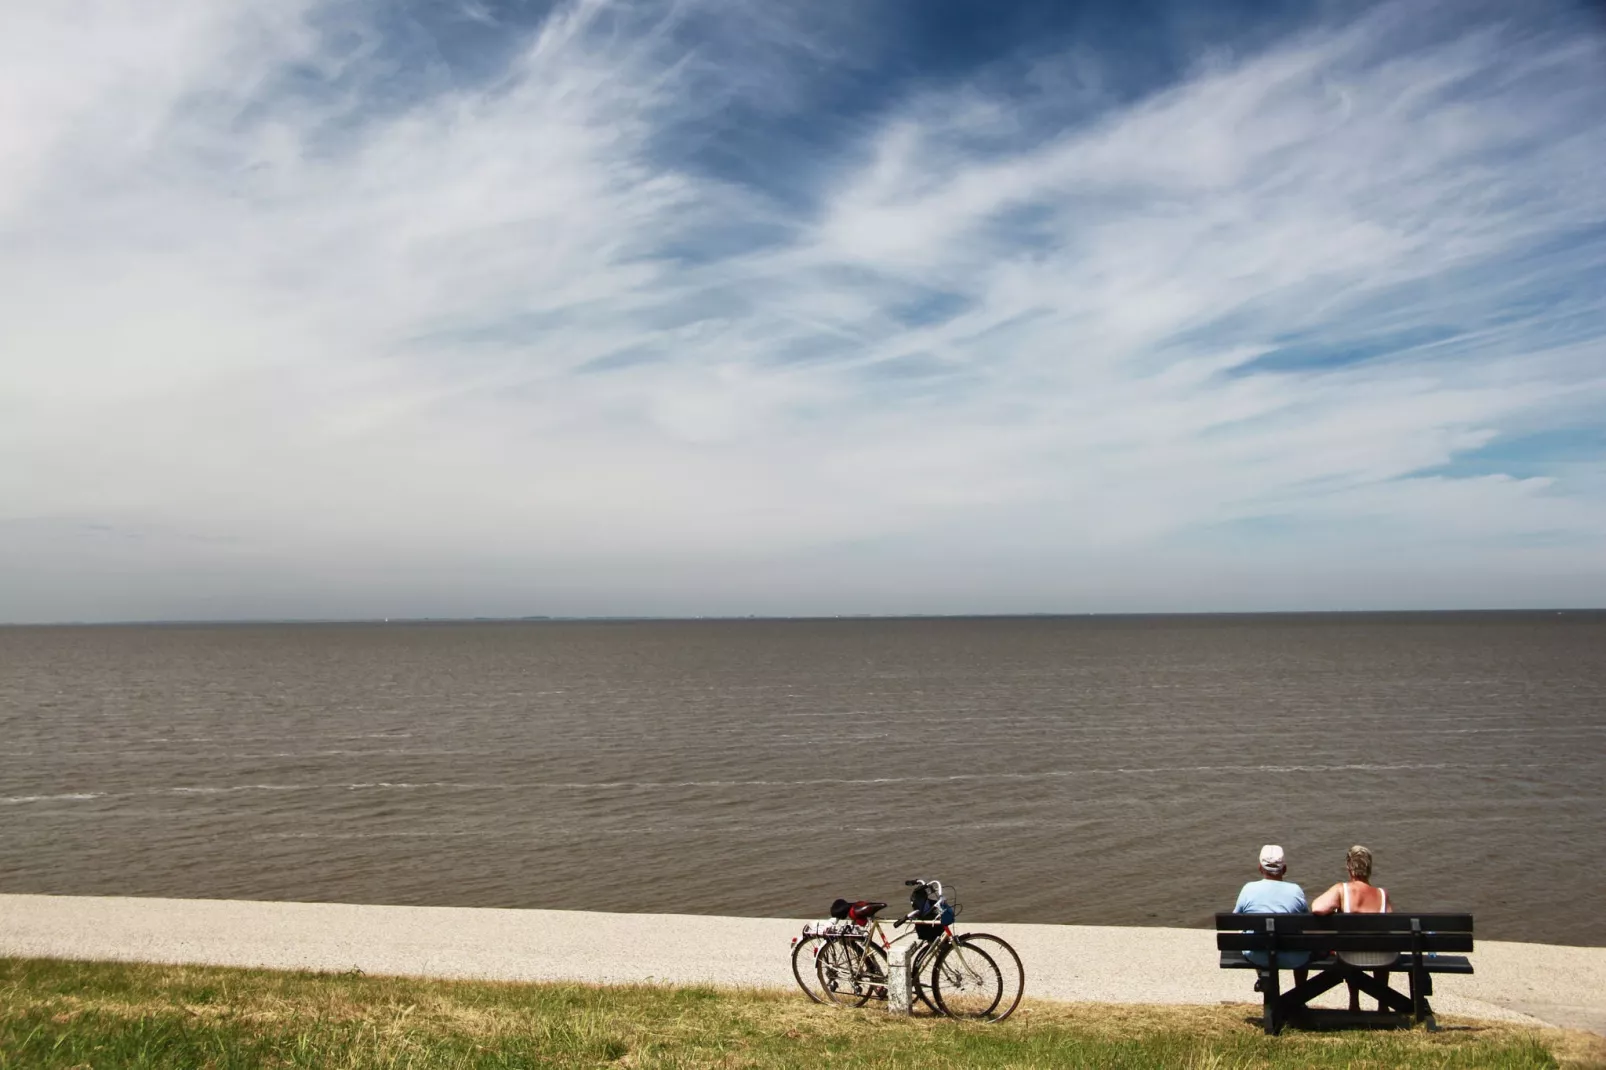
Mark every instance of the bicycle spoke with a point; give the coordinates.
(1009, 967)
(968, 982)
(852, 971)
(835, 967)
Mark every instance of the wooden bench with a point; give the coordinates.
(1426, 943)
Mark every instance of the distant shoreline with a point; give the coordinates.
(1359, 614)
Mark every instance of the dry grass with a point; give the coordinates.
(73, 1014)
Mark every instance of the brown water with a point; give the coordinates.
(1084, 770)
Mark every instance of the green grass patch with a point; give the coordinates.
(57, 1014)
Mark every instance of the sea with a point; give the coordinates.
(1095, 770)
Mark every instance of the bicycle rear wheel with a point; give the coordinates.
(1009, 966)
(851, 971)
(805, 955)
(967, 982)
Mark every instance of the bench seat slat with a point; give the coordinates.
(1318, 941)
(1372, 923)
(1234, 960)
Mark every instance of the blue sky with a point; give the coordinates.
(718, 306)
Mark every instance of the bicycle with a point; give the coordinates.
(806, 949)
(961, 976)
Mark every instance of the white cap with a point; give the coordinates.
(1271, 858)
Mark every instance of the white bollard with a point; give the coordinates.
(900, 984)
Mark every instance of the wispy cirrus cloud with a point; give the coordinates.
(629, 312)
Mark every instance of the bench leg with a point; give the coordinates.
(1387, 998)
(1380, 976)
(1307, 990)
(1421, 1011)
(1296, 1001)
(1269, 985)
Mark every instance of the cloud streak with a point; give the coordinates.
(296, 329)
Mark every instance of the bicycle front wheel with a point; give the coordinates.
(922, 973)
(1009, 966)
(805, 955)
(967, 983)
(852, 970)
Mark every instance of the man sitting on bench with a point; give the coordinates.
(1273, 895)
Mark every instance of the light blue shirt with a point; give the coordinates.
(1271, 897)
(1274, 897)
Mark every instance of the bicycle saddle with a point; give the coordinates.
(862, 911)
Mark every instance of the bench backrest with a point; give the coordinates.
(1344, 932)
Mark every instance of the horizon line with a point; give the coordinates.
(801, 617)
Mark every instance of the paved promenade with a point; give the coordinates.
(1558, 985)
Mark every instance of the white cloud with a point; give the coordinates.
(499, 348)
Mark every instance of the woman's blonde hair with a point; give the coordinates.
(1358, 860)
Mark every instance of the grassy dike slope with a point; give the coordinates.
(57, 1013)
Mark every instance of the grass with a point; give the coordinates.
(57, 1014)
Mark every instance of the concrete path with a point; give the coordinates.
(1534, 982)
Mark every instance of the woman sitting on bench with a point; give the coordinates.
(1358, 896)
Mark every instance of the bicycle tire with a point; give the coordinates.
(834, 968)
(1009, 965)
(851, 971)
(805, 965)
(921, 974)
(967, 982)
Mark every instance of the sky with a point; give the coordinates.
(335, 308)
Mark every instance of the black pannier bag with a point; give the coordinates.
(839, 909)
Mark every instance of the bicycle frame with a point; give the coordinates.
(876, 930)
